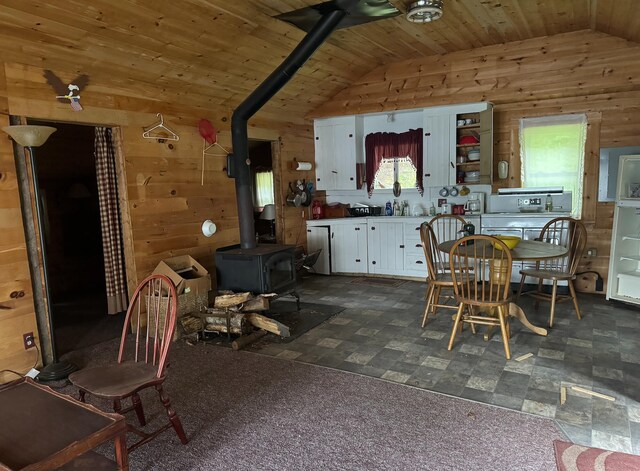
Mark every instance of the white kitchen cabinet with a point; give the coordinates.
(439, 155)
(318, 239)
(415, 263)
(385, 247)
(442, 136)
(349, 248)
(338, 147)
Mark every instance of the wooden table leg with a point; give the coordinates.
(122, 455)
(517, 312)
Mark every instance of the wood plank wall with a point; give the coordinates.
(580, 72)
(164, 197)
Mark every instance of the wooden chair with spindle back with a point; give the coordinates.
(484, 296)
(437, 276)
(142, 358)
(571, 234)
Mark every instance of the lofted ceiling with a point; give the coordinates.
(213, 53)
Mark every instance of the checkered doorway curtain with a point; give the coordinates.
(110, 222)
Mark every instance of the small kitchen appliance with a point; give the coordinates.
(474, 204)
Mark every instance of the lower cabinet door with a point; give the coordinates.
(385, 244)
(349, 248)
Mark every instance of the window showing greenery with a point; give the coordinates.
(395, 169)
(552, 154)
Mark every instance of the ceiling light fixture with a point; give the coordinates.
(424, 11)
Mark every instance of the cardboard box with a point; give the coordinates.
(193, 284)
(186, 273)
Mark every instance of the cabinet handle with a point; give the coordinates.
(333, 171)
(317, 179)
(452, 166)
(419, 262)
(373, 262)
(357, 228)
(418, 228)
(308, 230)
(373, 228)
(426, 134)
(357, 260)
(317, 138)
(351, 178)
(418, 245)
(427, 174)
(350, 135)
(402, 246)
(332, 235)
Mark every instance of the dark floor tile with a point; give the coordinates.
(512, 384)
(477, 395)
(610, 418)
(451, 383)
(546, 397)
(509, 402)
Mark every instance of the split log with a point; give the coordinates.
(247, 340)
(191, 324)
(216, 321)
(230, 300)
(259, 303)
(270, 325)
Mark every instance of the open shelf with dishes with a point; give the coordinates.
(474, 147)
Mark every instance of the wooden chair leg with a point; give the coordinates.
(572, 290)
(520, 287)
(553, 302)
(438, 295)
(455, 325)
(505, 338)
(173, 417)
(137, 406)
(430, 291)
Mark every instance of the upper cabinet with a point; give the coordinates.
(338, 148)
(457, 145)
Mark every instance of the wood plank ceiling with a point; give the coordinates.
(212, 53)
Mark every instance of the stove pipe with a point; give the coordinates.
(238, 162)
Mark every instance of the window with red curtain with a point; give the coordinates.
(387, 145)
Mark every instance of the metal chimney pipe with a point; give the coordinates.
(238, 162)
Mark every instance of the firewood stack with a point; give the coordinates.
(236, 313)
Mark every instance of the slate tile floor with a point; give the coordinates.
(379, 334)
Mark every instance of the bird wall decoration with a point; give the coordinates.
(67, 93)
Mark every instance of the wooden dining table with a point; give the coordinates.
(526, 250)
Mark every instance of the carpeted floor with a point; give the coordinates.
(247, 411)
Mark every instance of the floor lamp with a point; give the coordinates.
(34, 136)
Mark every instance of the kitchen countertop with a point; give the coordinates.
(366, 219)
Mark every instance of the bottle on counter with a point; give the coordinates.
(432, 210)
(548, 205)
(388, 209)
(396, 208)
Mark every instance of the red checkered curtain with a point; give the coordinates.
(112, 247)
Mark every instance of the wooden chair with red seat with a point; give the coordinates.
(142, 359)
(484, 297)
(572, 234)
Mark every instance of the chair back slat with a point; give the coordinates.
(569, 233)
(156, 297)
(446, 227)
(481, 270)
(435, 266)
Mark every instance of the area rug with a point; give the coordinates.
(388, 282)
(286, 312)
(299, 322)
(572, 457)
(246, 411)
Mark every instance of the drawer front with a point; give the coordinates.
(415, 263)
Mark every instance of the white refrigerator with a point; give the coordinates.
(624, 262)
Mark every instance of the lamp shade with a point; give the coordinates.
(29, 135)
(269, 212)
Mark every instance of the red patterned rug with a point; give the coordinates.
(571, 457)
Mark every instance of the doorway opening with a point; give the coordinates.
(264, 190)
(67, 181)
